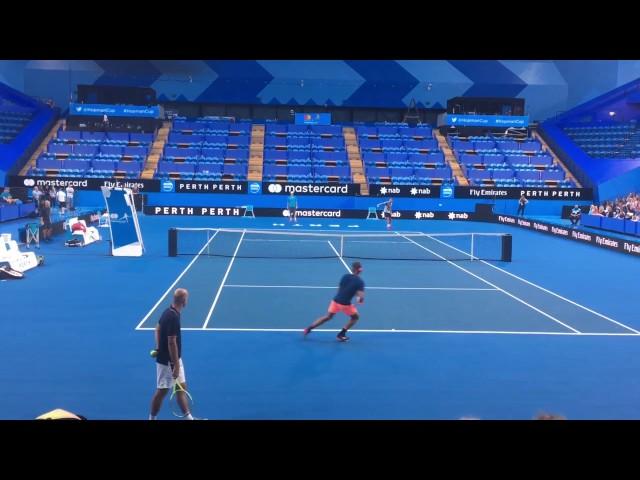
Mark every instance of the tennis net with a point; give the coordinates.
(244, 243)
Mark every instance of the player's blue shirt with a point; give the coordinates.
(349, 285)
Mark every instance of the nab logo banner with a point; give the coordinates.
(447, 192)
(167, 186)
(255, 187)
(431, 191)
(458, 216)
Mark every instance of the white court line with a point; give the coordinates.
(341, 259)
(473, 332)
(368, 288)
(316, 230)
(174, 283)
(374, 241)
(284, 240)
(224, 279)
(545, 290)
(495, 286)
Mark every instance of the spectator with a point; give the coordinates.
(62, 200)
(45, 220)
(70, 193)
(625, 207)
(52, 196)
(521, 203)
(37, 195)
(5, 197)
(575, 215)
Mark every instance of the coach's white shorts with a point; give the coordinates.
(165, 375)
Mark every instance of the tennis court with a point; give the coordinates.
(437, 339)
(289, 276)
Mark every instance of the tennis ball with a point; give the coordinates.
(153, 353)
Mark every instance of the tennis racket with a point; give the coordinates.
(178, 393)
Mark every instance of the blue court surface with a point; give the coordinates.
(440, 336)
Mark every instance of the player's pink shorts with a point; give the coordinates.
(346, 309)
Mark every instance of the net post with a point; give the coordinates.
(173, 242)
(472, 237)
(341, 245)
(507, 245)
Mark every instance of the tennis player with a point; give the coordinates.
(292, 205)
(388, 208)
(350, 285)
(169, 365)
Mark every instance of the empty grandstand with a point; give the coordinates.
(94, 154)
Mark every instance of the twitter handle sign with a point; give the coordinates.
(487, 120)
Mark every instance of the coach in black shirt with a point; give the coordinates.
(169, 365)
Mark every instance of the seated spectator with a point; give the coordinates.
(575, 215)
(5, 197)
(624, 207)
(626, 213)
(627, 207)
